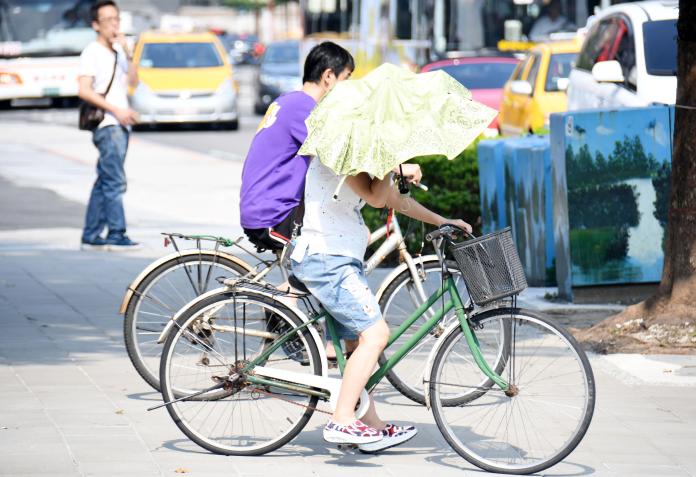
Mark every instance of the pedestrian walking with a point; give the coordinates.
(106, 70)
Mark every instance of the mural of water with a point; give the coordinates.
(645, 240)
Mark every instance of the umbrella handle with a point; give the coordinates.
(338, 188)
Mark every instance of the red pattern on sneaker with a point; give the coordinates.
(357, 428)
(392, 430)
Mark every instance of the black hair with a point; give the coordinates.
(94, 11)
(326, 55)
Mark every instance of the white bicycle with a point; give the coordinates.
(163, 288)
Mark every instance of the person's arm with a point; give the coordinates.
(132, 69)
(380, 192)
(373, 191)
(406, 205)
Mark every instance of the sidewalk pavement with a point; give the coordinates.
(71, 403)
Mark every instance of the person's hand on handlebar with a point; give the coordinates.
(458, 223)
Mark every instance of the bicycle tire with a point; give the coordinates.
(138, 353)
(402, 375)
(172, 352)
(468, 435)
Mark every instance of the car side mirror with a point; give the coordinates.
(562, 84)
(521, 87)
(608, 72)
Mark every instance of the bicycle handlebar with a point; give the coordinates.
(446, 230)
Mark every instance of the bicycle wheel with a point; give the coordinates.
(159, 296)
(208, 345)
(399, 300)
(543, 416)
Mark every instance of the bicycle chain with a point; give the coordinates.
(313, 408)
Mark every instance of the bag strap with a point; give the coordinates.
(113, 73)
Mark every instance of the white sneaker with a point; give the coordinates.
(355, 433)
(391, 436)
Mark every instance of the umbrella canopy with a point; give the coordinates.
(390, 116)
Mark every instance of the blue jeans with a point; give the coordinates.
(105, 208)
(340, 285)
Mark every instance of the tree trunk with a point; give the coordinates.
(673, 308)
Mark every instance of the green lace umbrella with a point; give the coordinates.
(390, 116)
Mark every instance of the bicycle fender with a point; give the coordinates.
(431, 358)
(283, 300)
(402, 266)
(130, 291)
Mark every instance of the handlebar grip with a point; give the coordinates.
(448, 230)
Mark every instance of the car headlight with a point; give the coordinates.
(226, 88)
(143, 90)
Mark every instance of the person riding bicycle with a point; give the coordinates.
(328, 259)
(273, 176)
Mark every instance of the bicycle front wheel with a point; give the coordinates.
(544, 414)
(159, 296)
(213, 340)
(399, 300)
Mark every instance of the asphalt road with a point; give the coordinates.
(224, 144)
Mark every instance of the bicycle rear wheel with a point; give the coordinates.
(159, 296)
(543, 416)
(213, 339)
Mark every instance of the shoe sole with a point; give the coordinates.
(366, 448)
(337, 439)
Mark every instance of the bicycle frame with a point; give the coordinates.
(454, 302)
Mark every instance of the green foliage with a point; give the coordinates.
(453, 193)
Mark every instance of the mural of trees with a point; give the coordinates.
(627, 160)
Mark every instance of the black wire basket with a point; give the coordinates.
(490, 266)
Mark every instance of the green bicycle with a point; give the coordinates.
(510, 390)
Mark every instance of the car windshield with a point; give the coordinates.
(660, 40)
(180, 55)
(480, 75)
(44, 28)
(285, 53)
(559, 68)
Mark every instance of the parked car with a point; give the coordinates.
(484, 76)
(628, 58)
(184, 78)
(279, 72)
(537, 87)
(242, 48)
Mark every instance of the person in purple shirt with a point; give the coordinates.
(273, 176)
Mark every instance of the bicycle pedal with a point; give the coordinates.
(348, 448)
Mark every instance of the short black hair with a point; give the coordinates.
(94, 11)
(326, 55)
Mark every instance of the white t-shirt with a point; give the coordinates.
(97, 61)
(332, 227)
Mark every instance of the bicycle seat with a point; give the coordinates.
(297, 284)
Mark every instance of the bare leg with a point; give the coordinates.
(358, 370)
(350, 347)
(371, 418)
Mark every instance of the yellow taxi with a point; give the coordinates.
(184, 78)
(537, 87)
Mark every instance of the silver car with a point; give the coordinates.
(184, 81)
